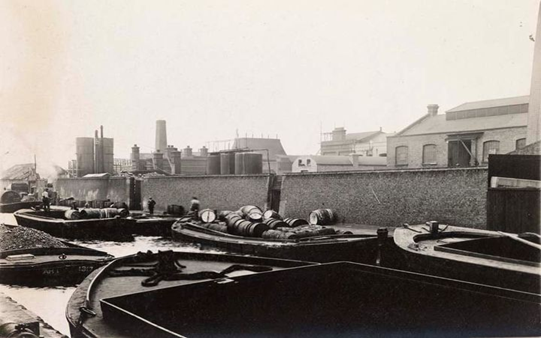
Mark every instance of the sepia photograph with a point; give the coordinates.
(249, 168)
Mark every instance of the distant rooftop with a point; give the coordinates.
(509, 101)
(273, 145)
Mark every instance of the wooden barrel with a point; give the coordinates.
(257, 229)
(295, 222)
(223, 214)
(275, 223)
(92, 213)
(271, 214)
(322, 217)
(254, 217)
(174, 209)
(242, 228)
(248, 209)
(343, 232)
(72, 214)
(231, 218)
(207, 215)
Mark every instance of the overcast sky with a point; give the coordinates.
(209, 68)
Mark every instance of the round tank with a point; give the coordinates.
(213, 164)
(239, 163)
(253, 163)
(225, 165)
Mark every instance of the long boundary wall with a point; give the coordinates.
(223, 192)
(391, 197)
(115, 189)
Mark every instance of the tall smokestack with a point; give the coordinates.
(161, 136)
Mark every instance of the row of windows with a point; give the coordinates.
(430, 155)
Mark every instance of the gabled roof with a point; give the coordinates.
(438, 124)
(508, 101)
(273, 145)
(19, 172)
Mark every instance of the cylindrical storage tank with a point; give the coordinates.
(322, 217)
(72, 214)
(225, 164)
(207, 215)
(213, 164)
(271, 214)
(85, 155)
(253, 163)
(239, 163)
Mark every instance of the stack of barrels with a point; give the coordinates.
(251, 221)
(89, 213)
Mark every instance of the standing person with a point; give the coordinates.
(151, 204)
(46, 201)
(194, 208)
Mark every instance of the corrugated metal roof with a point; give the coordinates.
(273, 145)
(438, 124)
(509, 101)
(363, 135)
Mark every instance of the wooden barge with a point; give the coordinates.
(288, 299)
(488, 257)
(68, 265)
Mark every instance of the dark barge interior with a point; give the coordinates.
(326, 300)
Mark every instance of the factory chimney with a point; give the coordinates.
(161, 136)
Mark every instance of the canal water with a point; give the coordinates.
(50, 302)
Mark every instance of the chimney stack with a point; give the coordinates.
(187, 152)
(175, 158)
(339, 134)
(161, 136)
(433, 109)
(135, 157)
(157, 160)
(203, 152)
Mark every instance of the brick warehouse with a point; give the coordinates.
(462, 137)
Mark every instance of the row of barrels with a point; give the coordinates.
(89, 213)
(251, 221)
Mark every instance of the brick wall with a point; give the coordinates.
(224, 192)
(415, 143)
(391, 197)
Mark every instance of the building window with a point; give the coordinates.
(402, 155)
(300, 163)
(429, 154)
(308, 161)
(520, 143)
(490, 147)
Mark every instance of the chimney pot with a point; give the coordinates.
(433, 109)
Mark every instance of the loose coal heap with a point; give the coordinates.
(19, 237)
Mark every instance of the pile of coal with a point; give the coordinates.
(19, 237)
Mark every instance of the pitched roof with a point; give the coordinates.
(273, 145)
(19, 172)
(509, 101)
(362, 136)
(438, 124)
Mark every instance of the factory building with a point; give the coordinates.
(369, 143)
(462, 137)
